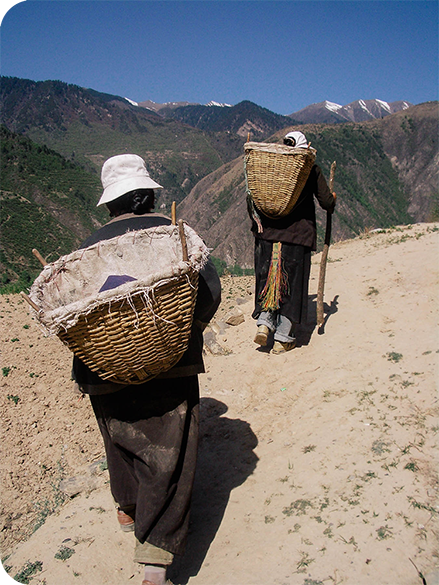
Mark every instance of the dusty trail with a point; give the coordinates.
(316, 467)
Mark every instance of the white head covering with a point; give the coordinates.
(300, 139)
(123, 173)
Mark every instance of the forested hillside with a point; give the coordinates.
(47, 203)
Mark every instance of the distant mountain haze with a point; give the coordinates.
(56, 136)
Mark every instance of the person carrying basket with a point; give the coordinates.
(150, 430)
(282, 257)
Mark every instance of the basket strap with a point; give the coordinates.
(250, 203)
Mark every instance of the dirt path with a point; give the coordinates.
(316, 467)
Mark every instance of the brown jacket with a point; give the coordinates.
(299, 227)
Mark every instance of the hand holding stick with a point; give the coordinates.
(321, 286)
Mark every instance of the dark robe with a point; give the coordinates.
(150, 430)
(297, 232)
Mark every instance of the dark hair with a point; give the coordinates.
(289, 141)
(139, 201)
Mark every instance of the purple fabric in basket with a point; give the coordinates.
(114, 281)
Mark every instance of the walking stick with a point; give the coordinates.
(321, 287)
(23, 294)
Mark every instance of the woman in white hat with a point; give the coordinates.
(150, 430)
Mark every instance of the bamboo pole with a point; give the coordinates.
(173, 213)
(38, 255)
(183, 240)
(30, 301)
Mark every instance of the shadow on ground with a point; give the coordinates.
(226, 459)
(304, 332)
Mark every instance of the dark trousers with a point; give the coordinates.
(150, 435)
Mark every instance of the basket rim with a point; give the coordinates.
(278, 148)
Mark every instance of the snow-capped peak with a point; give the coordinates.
(383, 104)
(363, 105)
(212, 103)
(131, 102)
(331, 106)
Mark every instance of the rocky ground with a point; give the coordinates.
(316, 467)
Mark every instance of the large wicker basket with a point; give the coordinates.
(141, 328)
(275, 175)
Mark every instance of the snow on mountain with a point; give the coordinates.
(332, 107)
(385, 105)
(357, 111)
(212, 103)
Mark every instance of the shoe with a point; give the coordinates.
(126, 522)
(283, 346)
(262, 335)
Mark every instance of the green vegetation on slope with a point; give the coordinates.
(47, 203)
(369, 191)
(88, 127)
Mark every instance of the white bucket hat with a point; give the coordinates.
(123, 173)
(299, 138)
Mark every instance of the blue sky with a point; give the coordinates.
(282, 55)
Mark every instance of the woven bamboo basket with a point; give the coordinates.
(139, 329)
(275, 175)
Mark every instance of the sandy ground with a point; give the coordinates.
(316, 467)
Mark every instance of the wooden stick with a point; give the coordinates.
(31, 303)
(323, 261)
(173, 213)
(183, 240)
(38, 255)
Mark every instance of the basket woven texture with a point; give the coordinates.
(275, 175)
(134, 332)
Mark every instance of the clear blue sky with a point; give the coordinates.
(282, 55)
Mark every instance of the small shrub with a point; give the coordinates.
(384, 532)
(64, 553)
(309, 448)
(394, 356)
(28, 571)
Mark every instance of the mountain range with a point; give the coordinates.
(324, 112)
(56, 136)
(358, 111)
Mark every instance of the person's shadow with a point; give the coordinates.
(226, 459)
(304, 332)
